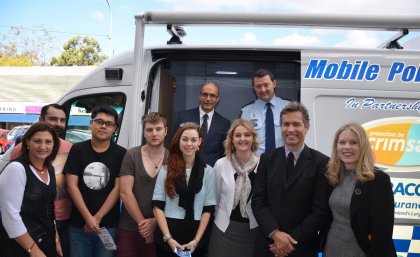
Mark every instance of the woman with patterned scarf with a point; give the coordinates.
(235, 230)
(184, 196)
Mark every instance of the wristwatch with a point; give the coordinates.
(166, 238)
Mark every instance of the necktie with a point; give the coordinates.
(270, 141)
(204, 127)
(290, 164)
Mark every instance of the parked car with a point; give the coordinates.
(14, 134)
(76, 136)
(5, 158)
(3, 140)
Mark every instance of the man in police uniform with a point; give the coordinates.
(264, 85)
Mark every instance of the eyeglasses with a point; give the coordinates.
(212, 96)
(189, 123)
(107, 124)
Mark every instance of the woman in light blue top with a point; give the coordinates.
(184, 196)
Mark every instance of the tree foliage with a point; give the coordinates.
(16, 61)
(25, 47)
(80, 51)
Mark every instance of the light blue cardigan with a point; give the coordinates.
(206, 196)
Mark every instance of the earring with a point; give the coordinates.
(27, 147)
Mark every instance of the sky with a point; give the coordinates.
(66, 19)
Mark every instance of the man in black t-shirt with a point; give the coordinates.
(92, 170)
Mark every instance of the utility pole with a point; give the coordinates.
(110, 29)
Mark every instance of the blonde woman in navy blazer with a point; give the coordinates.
(361, 203)
(234, 230)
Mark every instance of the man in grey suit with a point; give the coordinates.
(290, 200)
(213, 126)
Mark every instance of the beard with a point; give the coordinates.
(60, 132)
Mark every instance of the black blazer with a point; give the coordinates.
(213, 147)
(297, 206)
(372, 216)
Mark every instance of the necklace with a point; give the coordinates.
(41, 170)
(155, 163)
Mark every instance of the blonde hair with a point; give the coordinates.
(364, 170)
(228, 143)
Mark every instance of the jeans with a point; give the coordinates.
(63, 232)
(83, 244)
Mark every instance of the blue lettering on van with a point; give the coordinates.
(406, 73)
(359, 70)
(373, 104)
(409, 189)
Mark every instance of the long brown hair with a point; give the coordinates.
(364, 170)
(176, 161)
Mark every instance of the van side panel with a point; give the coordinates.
(381, 90)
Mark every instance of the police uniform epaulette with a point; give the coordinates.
(248, 103)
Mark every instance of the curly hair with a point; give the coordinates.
(228, 143)
(364, 170)
(176, 161)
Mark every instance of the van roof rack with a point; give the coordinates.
(373, 22)
(174, 21)
(176, 32)
(392, 42)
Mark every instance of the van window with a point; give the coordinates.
(80, 110)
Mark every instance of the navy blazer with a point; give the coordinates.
(372, 216)
(297, 206)
(213, 147)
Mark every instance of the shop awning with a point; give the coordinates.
(20, 117)
(31, 118)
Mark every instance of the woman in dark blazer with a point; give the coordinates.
(361, 203)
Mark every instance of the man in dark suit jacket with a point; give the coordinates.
(217, 125)
(290, 202)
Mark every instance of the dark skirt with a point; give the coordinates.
(237, 240)
(182, 233)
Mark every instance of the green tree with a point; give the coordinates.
(16, 61)
(80, 51)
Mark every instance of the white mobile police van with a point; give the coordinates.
(379, 88)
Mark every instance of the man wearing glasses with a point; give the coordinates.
(92, 174)
(264, 112)
(213, 126)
